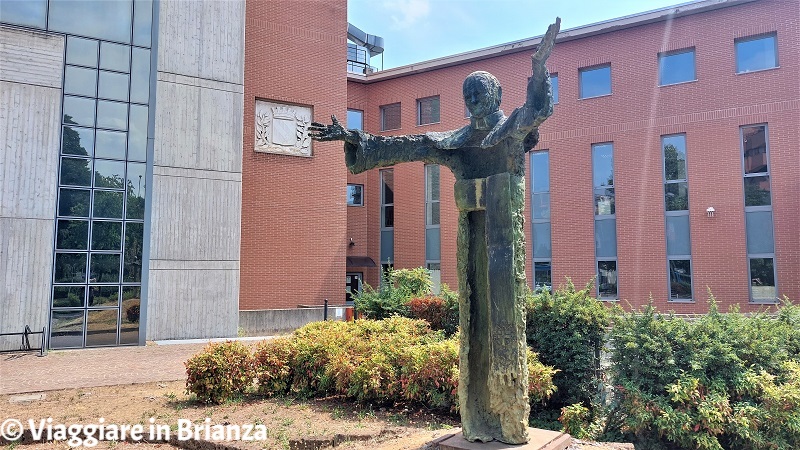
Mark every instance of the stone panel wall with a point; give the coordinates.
(30, 108)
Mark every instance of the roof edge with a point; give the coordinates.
(583, 31)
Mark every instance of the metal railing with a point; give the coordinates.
(26, 342)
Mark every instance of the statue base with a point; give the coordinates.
(539, 440)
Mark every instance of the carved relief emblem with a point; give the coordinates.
(282, 128)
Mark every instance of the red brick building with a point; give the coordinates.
(670, 165)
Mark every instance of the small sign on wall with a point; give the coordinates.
(282, 129)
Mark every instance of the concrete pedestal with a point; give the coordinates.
(539, 440)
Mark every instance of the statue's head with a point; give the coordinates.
(482, 94)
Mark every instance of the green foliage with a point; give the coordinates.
(724, 381)
(387, 301)
(391, 360)
(273, 358)
(219, 372)
(567, 329)
(541, 385)
(412, 282)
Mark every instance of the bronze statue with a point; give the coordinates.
(487, 158)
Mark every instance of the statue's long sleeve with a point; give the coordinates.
(381, 151)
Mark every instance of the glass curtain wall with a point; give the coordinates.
(100, 215)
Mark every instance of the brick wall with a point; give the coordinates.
(294, 217)
(634, 117)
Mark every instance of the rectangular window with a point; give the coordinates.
(432, 224)
(759, 225)
(554, 83)
(390, 117)
(29, 13)
(603, 179)
(355, 195)
(595, 81)
(676, 67)
(676, 216)
(607, 280)
(428, 110)
(387, 217)
(605, 222)
(355, 119)
(540, 226)
(756, 53)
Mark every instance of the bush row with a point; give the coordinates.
(723, 381)
(391, 360)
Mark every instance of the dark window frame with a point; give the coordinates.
(420, 101)
(390, 107)
(362, 194)
(583, 70)
(755, 37)
(661, 59)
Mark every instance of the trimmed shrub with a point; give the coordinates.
(273, 359)
(390, 360)
(219, 372)
(567, 329)
(724, 381)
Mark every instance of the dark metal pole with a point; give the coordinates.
(325, 311)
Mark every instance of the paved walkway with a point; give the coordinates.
(68, 369)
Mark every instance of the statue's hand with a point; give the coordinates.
(333, 132)
(537, 84)
(546, 46)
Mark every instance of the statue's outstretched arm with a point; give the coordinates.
(539, 99)
(364, 151)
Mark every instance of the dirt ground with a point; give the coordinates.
(287, 420)
(291, 424)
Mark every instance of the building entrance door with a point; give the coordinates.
(353, 285)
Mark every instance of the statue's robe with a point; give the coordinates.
(487, 158)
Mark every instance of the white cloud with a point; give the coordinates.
(407, 13)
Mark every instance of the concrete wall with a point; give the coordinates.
(267, 322)
(30, 109)
(193, 286)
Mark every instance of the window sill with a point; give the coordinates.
(596, 96)
(681, 300)
(359, 206)
(764, 302)
(758, 70)
(392, 129)
(612, 300)
(678, 83)
(426, 124)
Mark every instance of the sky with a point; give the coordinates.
(419, 30)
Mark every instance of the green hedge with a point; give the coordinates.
(567, 329)
(381, 361)
(723, 381)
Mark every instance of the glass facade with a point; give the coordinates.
(102, 183)
(676, 214)
(605, 221)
